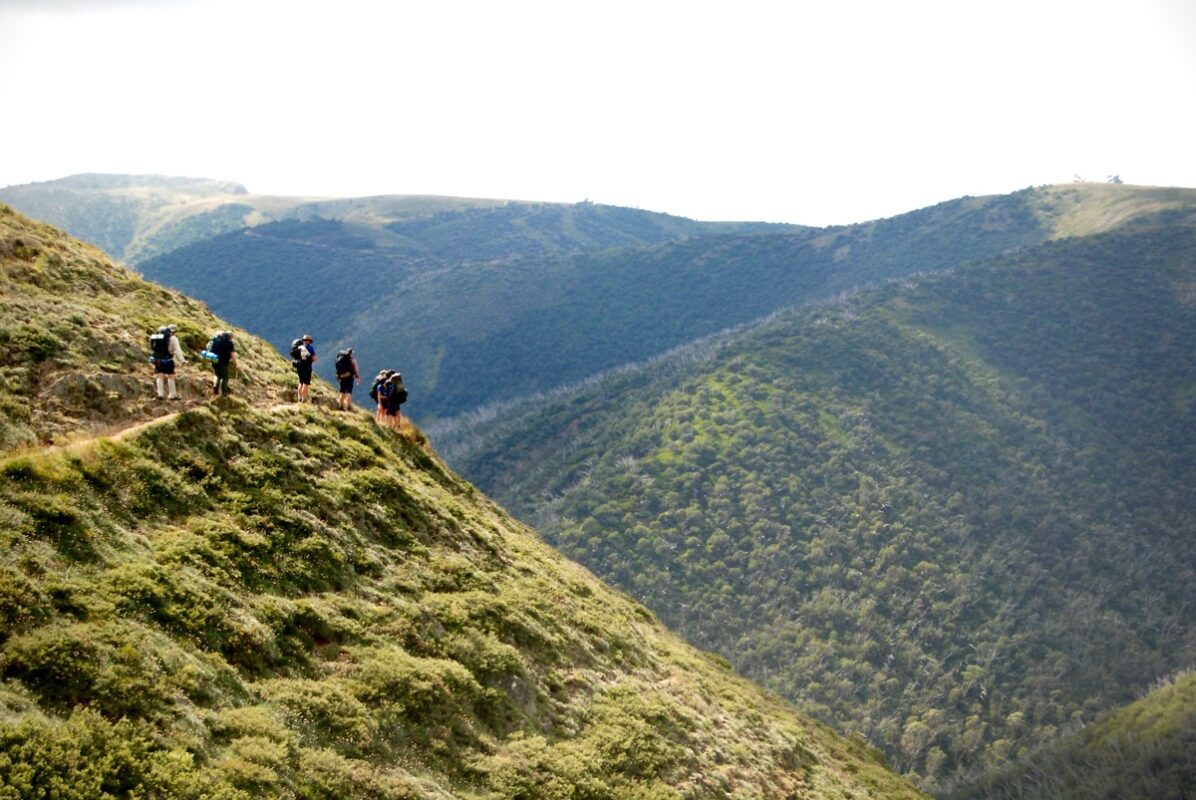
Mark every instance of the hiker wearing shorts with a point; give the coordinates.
(348, 375)
(165, 351)
(305, 353)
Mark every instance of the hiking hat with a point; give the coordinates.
(307, 337)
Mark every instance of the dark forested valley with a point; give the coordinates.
(953, 513)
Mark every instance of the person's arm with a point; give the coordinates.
(176, 350)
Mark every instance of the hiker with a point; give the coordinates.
(165, 350)
(395, 398)
(348, 375)
(303, 356)
(377, 396)
(382, 393)
(221, 345)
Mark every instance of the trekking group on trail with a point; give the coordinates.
(387, 390)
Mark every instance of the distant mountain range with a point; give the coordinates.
(481, 302)
(135, 217)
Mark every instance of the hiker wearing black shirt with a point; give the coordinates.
(348, 375)
(225, 351)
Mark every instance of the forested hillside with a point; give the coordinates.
(534, 315)
(252, 599)
(953, 513)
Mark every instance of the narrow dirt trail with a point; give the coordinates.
(117, 433)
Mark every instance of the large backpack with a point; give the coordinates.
(219, 346)
(344, 364)
(374, 390)
(160, 344)
(297, 350)
(399, 393)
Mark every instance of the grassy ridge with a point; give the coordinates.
(250, 599)
(923, 513)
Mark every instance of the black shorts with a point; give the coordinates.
(164, 366)
(347, 385)
(304, 370)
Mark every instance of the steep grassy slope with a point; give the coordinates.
(1147, 749)
(74, 340)
(467, 334)
(250, 599)
(954, 514)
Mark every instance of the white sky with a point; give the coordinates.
(807, 112)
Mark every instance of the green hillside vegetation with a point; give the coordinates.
(251, 599)
(1147, 749)
(530, 319)
(953, 514)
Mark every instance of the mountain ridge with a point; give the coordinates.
(136, 217)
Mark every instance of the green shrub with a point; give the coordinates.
(55, 517)
(324, 711)
(116, 667)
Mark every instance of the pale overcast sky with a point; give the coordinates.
(807, 112)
